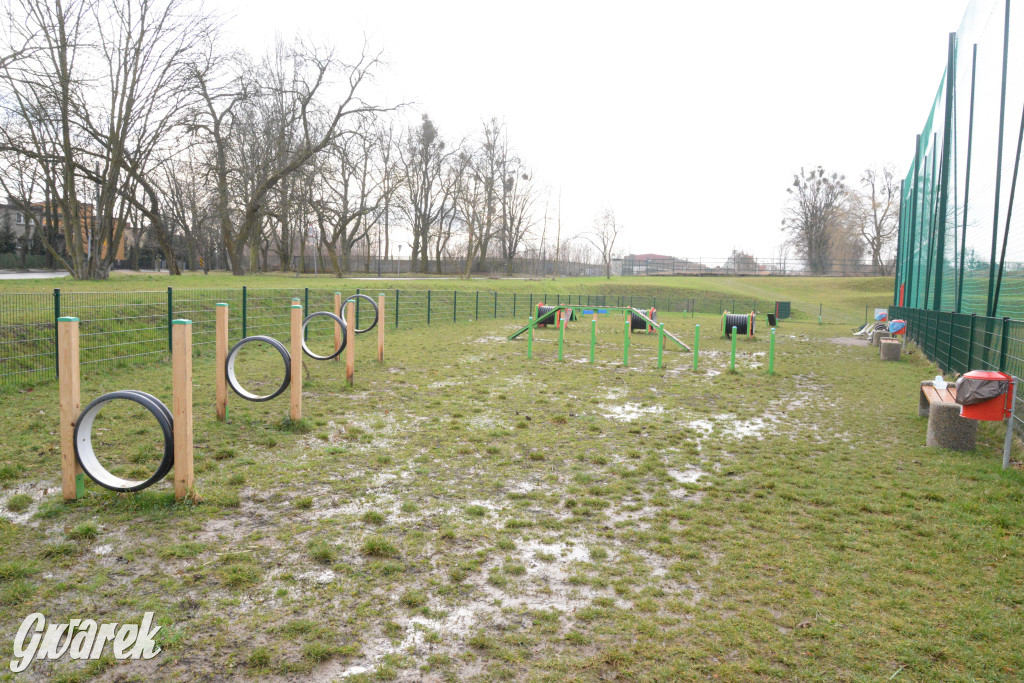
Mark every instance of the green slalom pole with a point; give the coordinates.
(771, 353)
(732, 359)
(696, 344)
(529, 341)
(661, 342)
(593, 339)
(561, 338)
(625, 343)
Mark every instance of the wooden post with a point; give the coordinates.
(380, 328)
(350, 350)
(337, 327)
(295, 411)
(221, 360)
(72, 478)
(181, 366)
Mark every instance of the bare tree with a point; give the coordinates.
(880, 210)
(423, 159)
(312, 125)
(99, 97)
(602, 237)
(815, 208)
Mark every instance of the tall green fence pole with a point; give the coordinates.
(561, 338)
(625, 342)
(170, 316)
(495, 305)
(428, 307)
(732, 356)
(513, 305)
(661, 342)
(529, 340)
(56, 343)
(999, 170)
(455, 306)
(696, 345)
(967, 186)
(476, 314)
(357, 305)
(396, 309)
(245, 302)
(305, 309)
(771, 353)
(593, 339)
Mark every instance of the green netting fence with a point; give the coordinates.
(122, 328)
(960, 246)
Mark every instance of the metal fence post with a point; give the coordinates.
(476, 314)
(455, 306)
(949, 344)
(495, 304)
(305, 311)
(56, 343)
(970, 342)
(1002, 346)
(513, 304)
(170, 317)
(396, 309)
(357, 308)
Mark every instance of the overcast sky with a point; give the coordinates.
(688, 119)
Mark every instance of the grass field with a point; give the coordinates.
(839, 297)
(467, 514)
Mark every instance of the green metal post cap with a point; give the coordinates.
(222, 304)
(181, 321)
(67, 319)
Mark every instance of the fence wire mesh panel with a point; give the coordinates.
(122, 328)
(960, 246)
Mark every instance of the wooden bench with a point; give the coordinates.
(946, 429)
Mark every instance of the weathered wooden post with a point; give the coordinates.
(350, 348)
(72, 477)
(380, 328)
(295, 411)
(181, 366)
(221, 359)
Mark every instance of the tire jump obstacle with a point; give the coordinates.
(78, 457)
(634, 319)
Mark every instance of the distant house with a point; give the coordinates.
(87, 214)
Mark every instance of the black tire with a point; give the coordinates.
(229, 369)
(337, 320)
(86, 456)
(376, 312)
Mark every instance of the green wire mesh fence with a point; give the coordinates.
(959, 246)
(122, 328)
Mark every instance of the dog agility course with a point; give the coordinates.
(469, 510)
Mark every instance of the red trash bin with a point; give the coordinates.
(995, 409)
